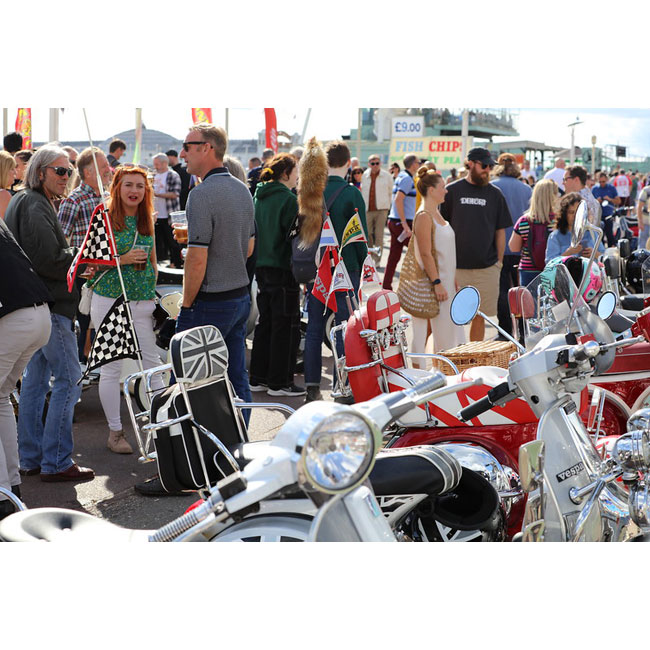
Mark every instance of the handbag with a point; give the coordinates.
(416, 292)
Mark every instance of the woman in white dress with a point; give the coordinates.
(431, 186)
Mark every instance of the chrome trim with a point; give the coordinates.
(13, 498)
(454, 367)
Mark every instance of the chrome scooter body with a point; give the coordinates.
(571, 461)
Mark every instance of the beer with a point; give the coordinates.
(180, 232)
(142, 265)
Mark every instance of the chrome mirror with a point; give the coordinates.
(531, 464)
(465, 305)
(606, 305)
(579, 224)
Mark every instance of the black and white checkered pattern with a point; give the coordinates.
(199, 353)
(115, 338)
(99, 245)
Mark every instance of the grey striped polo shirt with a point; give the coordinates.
(221, 218)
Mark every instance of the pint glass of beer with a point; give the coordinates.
(179, 224)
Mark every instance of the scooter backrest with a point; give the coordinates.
(521, 302)
(198, 354)
(383, 310)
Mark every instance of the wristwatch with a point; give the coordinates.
(436, 281)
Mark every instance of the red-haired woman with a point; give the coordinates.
(131, 211)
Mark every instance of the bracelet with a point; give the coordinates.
(436, 281)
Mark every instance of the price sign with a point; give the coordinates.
(408, 126)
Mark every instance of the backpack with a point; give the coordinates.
(536, 243)
(303, 260)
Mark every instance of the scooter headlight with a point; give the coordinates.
(338, 454)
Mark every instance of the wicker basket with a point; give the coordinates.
(470, 355)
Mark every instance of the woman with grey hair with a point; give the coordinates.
(45, 448)
(235, 168)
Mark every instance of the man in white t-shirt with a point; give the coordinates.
(557, 173)
(527, 172)
(622, 184)
(166, 192)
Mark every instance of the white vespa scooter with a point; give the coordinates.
(573, 493)
(325, 449)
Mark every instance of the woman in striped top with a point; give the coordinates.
(543, 208)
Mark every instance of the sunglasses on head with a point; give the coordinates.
(144, 168)
(61, 171)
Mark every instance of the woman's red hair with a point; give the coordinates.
(116, 208)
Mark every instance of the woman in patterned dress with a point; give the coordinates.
(131, 211)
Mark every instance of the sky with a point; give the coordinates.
(629, 127)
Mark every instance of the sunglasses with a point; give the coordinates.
(484, 165)
(134, 166)
(375, 163)
(61, 171)
(357, 173)
(186, 145)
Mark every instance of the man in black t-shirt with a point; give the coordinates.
(479, 215)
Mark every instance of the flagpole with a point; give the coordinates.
(116, 257)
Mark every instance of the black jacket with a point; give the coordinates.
(33, 222)
(19, 285)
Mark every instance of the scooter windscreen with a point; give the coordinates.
(546, 303)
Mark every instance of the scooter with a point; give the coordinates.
(573, 494)
(326, 450)
(177, 433)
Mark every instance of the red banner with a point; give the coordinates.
(24, 126)
(201, 115)
(271, 129)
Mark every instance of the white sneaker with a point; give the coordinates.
(257, 388)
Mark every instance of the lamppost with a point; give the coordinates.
(572, 153)
(593, 154)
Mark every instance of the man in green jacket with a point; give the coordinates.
(46, 449)
(341, 211)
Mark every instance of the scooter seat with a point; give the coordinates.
(633, 302)
(67, 526)
(414, 470)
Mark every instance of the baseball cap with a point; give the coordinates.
(479, 154)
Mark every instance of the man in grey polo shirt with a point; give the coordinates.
(221, 229)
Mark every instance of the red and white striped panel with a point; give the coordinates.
(383, 309)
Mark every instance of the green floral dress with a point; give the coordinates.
(139, 285)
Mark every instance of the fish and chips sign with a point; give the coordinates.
(444, 151)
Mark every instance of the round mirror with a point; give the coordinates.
(465, 305)
(579, 224)
(606, 305)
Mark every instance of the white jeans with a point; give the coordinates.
(22, 333)
(109, 380)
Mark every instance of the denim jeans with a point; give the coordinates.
(526, 277)
(644, 234)
(229, 317)
(317, 315)
(50, 445)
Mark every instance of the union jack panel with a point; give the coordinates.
(199, 353)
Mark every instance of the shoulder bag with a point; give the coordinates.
(416, 292)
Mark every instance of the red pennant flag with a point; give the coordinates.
(201, 115)
(271, 129)
(323, 280)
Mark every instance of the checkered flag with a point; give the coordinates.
(98, 246)
(114, 339)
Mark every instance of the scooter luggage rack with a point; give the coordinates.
(145, 431)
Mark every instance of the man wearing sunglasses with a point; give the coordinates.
(479, 215)
(377, 191)
(46, 448)
(221, 229)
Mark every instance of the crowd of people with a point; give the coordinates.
(491, 225)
